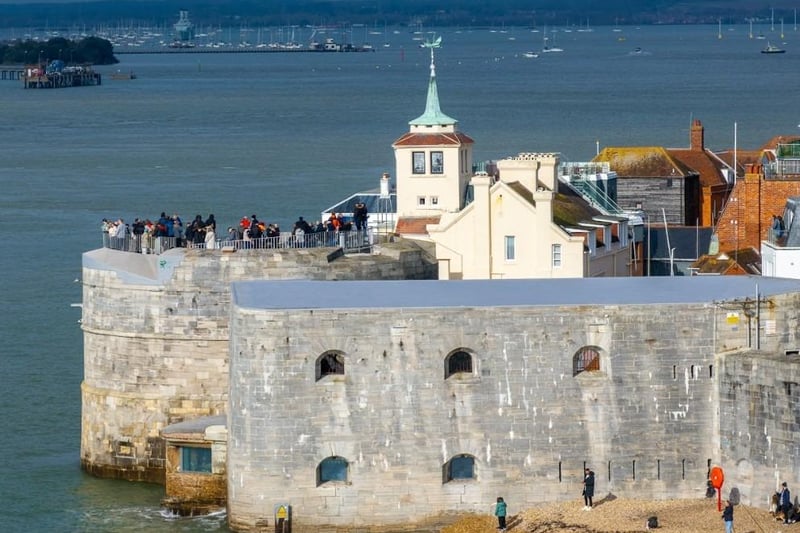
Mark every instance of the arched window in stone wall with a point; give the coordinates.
(332, 469)
(587, 359)
(459, 468)
(330, 363)
(459, 361)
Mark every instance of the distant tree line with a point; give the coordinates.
(93, 50)
(155, 13)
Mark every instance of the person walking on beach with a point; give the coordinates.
(785, 502)
(500, 513)
(727, 516)
(588, 489)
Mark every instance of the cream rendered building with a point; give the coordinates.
(517, 224)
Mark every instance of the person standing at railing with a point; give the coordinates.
(138, 231)
(121, 235)
(360, 215)
(211, 236)
(105, 225)
(211, 222)
(112, 234)
(233, 234)
(775, 229)
(177, 230)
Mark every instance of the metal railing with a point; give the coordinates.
(595, 195)
(782, 169)
(349, 241)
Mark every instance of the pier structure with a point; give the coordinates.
(37, 77)
(11, 73)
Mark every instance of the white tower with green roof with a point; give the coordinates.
(433, 161)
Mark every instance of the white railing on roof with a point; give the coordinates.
(349, 241)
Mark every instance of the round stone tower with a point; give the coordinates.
(156, 338)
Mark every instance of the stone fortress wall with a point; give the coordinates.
(678, 389)
(156, 338)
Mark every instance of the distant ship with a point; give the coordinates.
(184, 29)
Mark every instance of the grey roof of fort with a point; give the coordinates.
(304, 294)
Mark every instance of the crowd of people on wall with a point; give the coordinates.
(165, 232)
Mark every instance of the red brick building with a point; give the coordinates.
(761, 193)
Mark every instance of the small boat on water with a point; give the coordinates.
(530, 55)
(772, 49)
(119, 75)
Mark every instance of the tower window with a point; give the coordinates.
(418, 162)
(437, 162)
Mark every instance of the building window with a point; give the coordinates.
(418, 162)
(511, 249)
(587, 359)
(330, 363)
(420, 200)
(332, 469)
(434, 200)
(437, 162)
(458, 362)
(459, 468)
(194, 459)
(556, 255)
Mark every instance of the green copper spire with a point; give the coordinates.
(433, 115)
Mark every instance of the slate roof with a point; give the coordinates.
(196, 425)
(643, 162)
(689, 242)
(791, 216)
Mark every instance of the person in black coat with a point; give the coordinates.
(588, 489)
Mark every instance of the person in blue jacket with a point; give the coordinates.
(500, 513)
(786, 502)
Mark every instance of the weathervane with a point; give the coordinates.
(436, 43)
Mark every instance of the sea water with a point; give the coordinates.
(283, 135)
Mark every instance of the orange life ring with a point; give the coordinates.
(717, 477)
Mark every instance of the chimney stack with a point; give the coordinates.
(697, 142)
